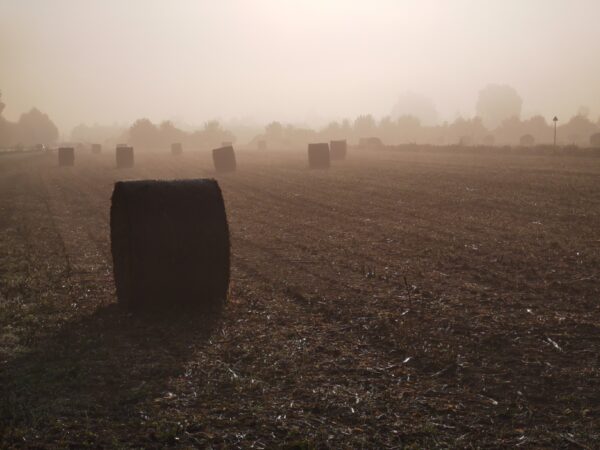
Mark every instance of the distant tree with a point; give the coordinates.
(388, 130)
(466, 131)
(35, 127)
(578, 130)
(408, 129)
(365, 126)
(98, 133)
(510, 131)
(496, 103)
(346, 127)
(5, 128)
(527, 140)
(169, 134)
(298, 136)
(214, 134)
(274, 131)
(332, 131)
(416, 105)
(538, 128)
(144, 134)
(595, 140)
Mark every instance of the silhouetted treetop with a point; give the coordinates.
(35, 127)
(497, 103)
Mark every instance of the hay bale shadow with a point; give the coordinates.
(101, 367)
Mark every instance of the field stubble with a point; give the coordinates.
(397, 299)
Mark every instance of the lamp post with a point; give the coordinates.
(555, 120)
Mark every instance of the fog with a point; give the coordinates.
(305, 62)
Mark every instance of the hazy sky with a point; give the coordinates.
(112, 61)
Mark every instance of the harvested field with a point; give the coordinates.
(398, 299)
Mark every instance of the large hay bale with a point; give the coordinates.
(170, 244)
(318, 156)
(338, 149)
(124, 156)
(224, 159)
(66, 156)
(262, 145)
(96, 148)
(176, 149)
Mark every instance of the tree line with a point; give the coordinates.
(33, 127)
(497, 122)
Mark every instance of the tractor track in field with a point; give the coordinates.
(367, 256)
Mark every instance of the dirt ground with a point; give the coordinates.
(397, 300)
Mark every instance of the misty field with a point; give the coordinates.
(397, 299)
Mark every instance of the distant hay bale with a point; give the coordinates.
(176, 149)
(318, 156)
(124, 156)
(527, 140)
(595, 140)
(262, 145)
(224, 159)
(96, 148)
(338, 149)
(170, 244)
(66, 156)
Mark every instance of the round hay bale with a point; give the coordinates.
(170, 244)
(318, 156)
(66, 156)
(176, 149)
(224, 159)
(96, 148)
(124, 156)
(338, 149)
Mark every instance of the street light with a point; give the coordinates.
(555, 120)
